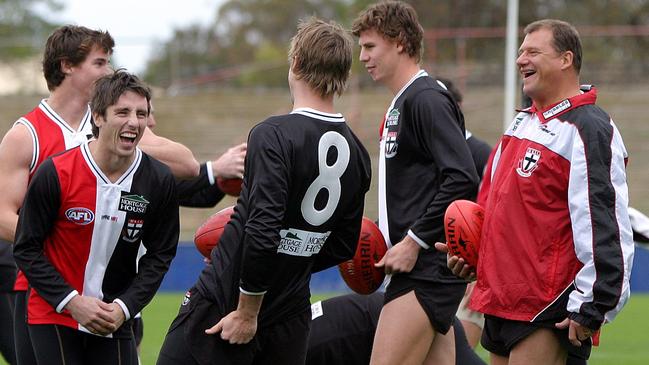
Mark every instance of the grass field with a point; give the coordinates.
(623, 342)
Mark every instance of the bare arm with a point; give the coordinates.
(230, 164)
(179, 158)
(15, 157)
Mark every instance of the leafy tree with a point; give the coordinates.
(247, 42)
(23, 29)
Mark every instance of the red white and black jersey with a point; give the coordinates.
(50, 134)
(424, 165)
(557, 238)
(79, 233)
(306, 175)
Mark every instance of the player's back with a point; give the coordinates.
(306, 177)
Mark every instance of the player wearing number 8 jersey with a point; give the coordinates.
(300, 211)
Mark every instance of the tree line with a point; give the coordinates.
(247, 40)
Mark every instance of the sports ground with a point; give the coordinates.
(209, 123)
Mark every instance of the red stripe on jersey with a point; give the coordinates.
(68, 245)
(50, 142)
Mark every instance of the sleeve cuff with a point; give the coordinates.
(210, 173)
(593, 324)
(251, 293)
(421, 243)
(66, 300)
(127, 314)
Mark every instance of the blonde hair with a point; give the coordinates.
(321, 55)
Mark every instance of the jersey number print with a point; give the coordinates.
(328, 178)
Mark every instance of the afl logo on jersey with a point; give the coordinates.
(80, 216)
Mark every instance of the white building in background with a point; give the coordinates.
(22, 77)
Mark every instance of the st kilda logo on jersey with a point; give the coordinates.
(133, 230)
(529, 162)
(392, 124)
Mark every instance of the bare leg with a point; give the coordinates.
(541, 347)
(404, 334)
(442, 351)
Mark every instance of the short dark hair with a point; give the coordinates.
(565, 37)
(396, 21)
(108, 90)
(71, 43)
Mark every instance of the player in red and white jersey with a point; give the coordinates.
(84, 216)
(74, 58)
(557, 246)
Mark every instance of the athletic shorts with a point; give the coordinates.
(466, 314)
(138, 330)
(186, 343)
(439, 300)
(501, 335)
(56, 344)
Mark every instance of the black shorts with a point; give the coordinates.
(187, 344)
(22, 340)
(138, 330)
(501, 335)
(55, 344)
(439, 300)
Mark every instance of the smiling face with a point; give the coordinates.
(379, 55)
(541, 66)
(123, 125)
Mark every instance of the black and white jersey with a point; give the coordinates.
(306, 175)
(424, 165)
(480, 150)
(79, 233)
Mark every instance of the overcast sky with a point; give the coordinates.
(137, 25)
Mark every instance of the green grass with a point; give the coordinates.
(623, 342)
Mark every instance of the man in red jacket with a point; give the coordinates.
(557, 247)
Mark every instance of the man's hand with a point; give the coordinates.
(117, 315)
(401, 257)
(238, 327)
(93, 314)
(457, 264)
(230, 164)
(576, 332)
